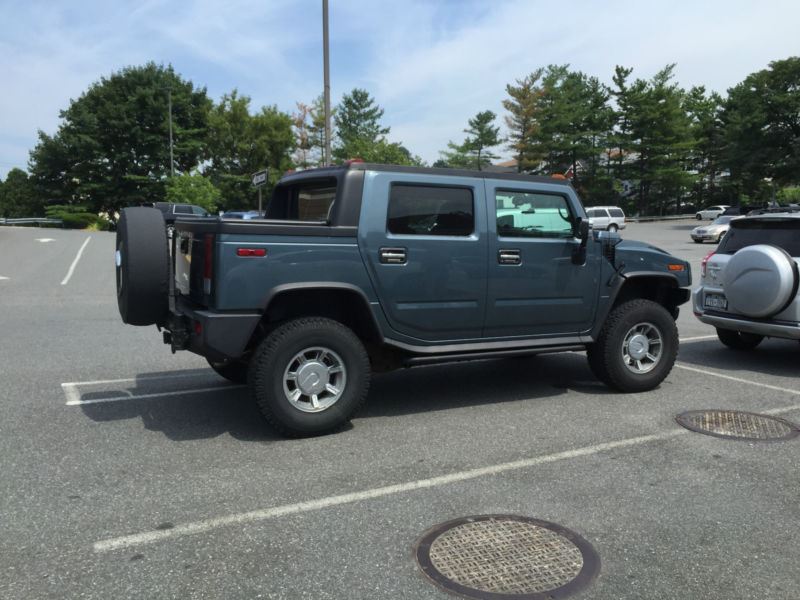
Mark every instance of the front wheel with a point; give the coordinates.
(636, 348)
(699, 217)
(739, 340)
(309, 376)
(612, 228)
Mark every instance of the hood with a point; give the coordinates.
(633, 245)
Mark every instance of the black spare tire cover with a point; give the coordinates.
(760, 280)
(142, 260)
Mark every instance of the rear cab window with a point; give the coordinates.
(309, 201)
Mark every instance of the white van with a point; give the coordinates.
(606, 217)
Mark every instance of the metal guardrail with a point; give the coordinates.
(657, 218)
(31, 221)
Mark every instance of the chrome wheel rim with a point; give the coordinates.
(314, 379)
(642, 348)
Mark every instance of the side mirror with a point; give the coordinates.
(579, 253)
(583, 230)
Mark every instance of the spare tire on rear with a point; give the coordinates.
(142, 260)
(760, 280)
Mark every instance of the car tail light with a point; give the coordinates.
(704, 262)
(251, 252)
(208, 262)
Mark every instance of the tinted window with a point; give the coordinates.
(183, 209)
(784, 234)
(528, 214)
(616, 213)
(427, 210)
(200, 212)
(308, 201)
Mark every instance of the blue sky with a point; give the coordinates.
(430, 64)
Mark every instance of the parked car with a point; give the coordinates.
(610, 218)
(749, 284)
(712, 232)
(171, 211)
(245, 215)
(711, 212)
(368, 267)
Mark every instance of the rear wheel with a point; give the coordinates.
(739, 340)
(699, 217)
(232, 370)
(309, 376)
(613, 227)
(636, 348)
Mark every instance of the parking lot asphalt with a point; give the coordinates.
(126, 471)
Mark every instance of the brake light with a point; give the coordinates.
(251, 252)
(704, 262)
(208, 262)
(353, 161)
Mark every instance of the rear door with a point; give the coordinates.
(423, 239)
(534, 286)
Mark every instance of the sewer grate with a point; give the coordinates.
(738, 425)
(506, 556)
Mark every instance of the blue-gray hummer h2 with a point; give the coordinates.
(364, 267)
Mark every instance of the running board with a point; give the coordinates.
(415, 361)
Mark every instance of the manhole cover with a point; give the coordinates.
(738, 425)
(506, 557)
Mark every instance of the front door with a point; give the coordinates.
(425, 248)
(535, 288)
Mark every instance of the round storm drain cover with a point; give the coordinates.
(506, 557)
(734, 424)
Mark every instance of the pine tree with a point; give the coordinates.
(482, 136)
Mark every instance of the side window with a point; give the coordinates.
(183, 209)
(303, 201)
(200, 212)
(530, 214)
(429, 210)
(591, 214)
(616, 213)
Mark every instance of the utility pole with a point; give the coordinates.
(327, 78)
(171, 156)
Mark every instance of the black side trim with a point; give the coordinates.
(445, 358)
(490, 347)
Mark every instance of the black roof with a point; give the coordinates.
(335, 170)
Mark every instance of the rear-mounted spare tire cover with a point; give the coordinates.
(760, 280)
(142, 264)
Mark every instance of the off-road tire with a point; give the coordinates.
(143, 266)
(233, 370)
(605, 355)
(271, 359)
(739, 340)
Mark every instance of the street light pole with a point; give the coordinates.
(327, 78)
(171, 156)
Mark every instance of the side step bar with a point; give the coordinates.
(414, 361)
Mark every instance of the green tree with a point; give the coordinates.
(456, 156)
(18, 198)
(358, 124)
(112, 147)
(482, 136)
(761, 119)
(240, 143)
(704, 111)
(193, 189)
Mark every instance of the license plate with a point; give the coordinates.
(715, 301)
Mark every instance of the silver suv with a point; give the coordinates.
(748, 285)
(610, 218)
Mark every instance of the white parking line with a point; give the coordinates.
(75, 262)
(74, 397)
(131, 379)
(698, 338)
(738, 379)
(191, 528)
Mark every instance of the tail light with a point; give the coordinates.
(704, 263)
(208, 262)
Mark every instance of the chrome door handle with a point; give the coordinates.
(393, 256)
(509, 256)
